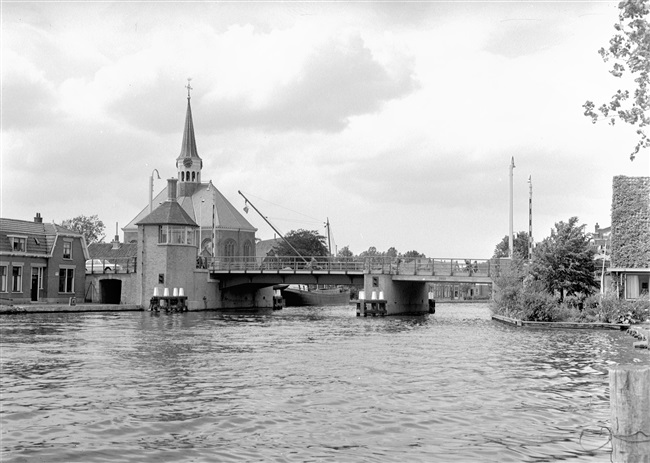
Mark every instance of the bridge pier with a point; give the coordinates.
(402, 297)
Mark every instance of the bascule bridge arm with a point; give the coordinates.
(271, 225)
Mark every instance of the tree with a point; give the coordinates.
(371, 252)
(520, 243)
(564, 261)
(90, 227)
(345, 252)
(629, 49)
(392, 252)
(413, 253)
(306, 242)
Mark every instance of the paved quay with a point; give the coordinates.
(52, 308)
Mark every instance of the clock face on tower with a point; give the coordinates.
(187, 162)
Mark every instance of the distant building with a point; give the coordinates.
(630, 236)
(40, 262)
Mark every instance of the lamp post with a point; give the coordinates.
(151, 189)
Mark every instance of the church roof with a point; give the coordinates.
(168, 213)
(188, 148)
(199, 208)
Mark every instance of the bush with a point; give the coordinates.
(539, 306)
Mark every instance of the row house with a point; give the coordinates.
(40, 262)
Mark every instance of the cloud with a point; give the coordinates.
(336, 82)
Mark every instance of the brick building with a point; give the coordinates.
(40, 262)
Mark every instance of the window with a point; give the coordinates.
(66, 280)
(229, 248)
(67, 249)
(170, 234)
(247, 249)
(17, 280)
(18, 243)
(3, 278)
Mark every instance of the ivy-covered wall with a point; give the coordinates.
(631, 222)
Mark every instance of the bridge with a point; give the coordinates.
(402, 280)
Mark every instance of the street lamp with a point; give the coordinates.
(151, 189)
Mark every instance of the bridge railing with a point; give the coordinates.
(370, 264)
(282, 263)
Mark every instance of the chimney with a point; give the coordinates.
(38, 218)
(116, 241)
(171, 189)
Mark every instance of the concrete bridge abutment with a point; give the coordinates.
(402, 297)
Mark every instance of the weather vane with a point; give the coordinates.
(188, 87)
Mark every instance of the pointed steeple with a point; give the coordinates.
(188, 148)
(188, 164)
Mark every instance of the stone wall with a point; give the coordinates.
(631, 222)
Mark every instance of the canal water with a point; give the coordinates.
(303, 384)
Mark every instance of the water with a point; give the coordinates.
(302, 384)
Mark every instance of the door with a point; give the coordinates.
(36, 283)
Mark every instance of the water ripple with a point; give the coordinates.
(303, 384)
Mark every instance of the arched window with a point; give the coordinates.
(247, 249)
(193, 176)
(229, 248)
(187, 176)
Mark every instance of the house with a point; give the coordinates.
(40, 262)
(630, 236)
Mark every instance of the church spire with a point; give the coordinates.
(188, 148)
(188, 163)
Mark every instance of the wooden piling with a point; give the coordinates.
(629, 389)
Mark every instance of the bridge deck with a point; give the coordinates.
(338, 270)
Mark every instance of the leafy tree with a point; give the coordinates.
(413, 253)
(90, 227)
(520, 243)
(371, 252)
(306, 242)
(345, 252)
(564, 261)
(629, 49)
(392, 252)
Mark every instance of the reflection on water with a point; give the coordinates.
(302, 384)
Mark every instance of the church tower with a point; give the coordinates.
(188, 163)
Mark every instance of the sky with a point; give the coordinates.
(397, 121)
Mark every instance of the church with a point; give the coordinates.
(188, 223)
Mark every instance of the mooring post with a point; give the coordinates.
(629, 389)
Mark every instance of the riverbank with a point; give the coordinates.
(562, 325)
(51, 308)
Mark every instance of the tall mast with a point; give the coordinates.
(530, 218)
(271, 225)
(510, 234)
(329, 240)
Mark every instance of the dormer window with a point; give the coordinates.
(67, 249)
(18, 243)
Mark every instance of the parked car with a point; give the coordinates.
(101, 265)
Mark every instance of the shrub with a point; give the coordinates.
(540, 306)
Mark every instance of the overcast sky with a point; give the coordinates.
(396, 121)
